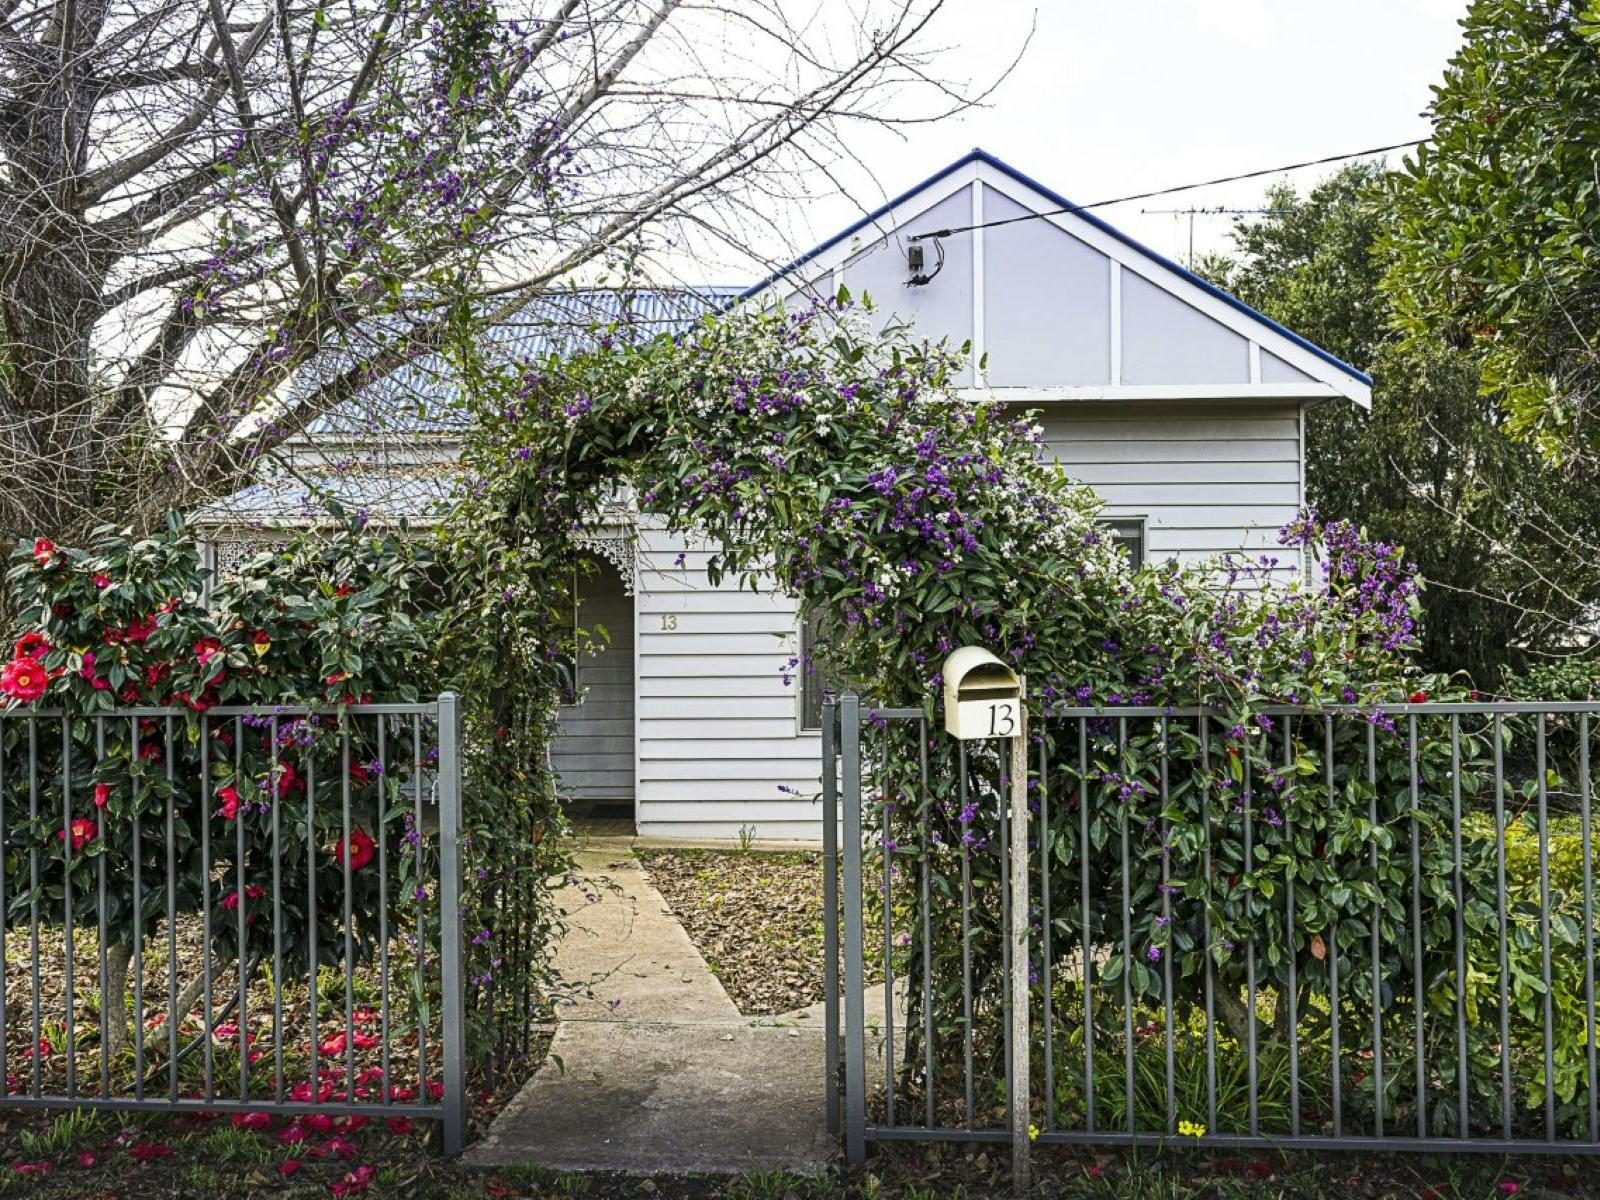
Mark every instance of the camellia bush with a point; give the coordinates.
(115, 811)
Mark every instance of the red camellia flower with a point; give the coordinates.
(362, 848)
(138, 631)
(102, 793)
(252, 1120)
(24, 679)
(230, 802)
(32, 645)
(146, 1151)
(44, 551)
(102, 581)
(286, 779)
(83, 832)
(1419, 697)
(231, 902)
(205, 649)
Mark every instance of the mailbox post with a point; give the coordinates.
(983, 698)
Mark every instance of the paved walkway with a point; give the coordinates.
(657, 1071)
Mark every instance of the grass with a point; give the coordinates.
(209, 1160)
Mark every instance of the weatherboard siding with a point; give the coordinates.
(718, 740)
(1209, 478)
(718, 727)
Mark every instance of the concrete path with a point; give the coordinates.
(656, 1070)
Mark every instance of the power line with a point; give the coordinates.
(1184, 187)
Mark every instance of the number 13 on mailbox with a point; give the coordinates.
(982, 696)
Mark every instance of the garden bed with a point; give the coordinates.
(755, 917)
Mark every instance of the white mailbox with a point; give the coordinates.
(982, 696)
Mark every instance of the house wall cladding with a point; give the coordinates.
(1209, 478)
(719, 744)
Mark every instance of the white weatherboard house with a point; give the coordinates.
(1184, 408)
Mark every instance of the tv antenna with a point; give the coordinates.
(1194, 211)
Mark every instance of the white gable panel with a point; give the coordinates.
(1165, 340)
(1275, 370)
(1047, 303)
(941, 309)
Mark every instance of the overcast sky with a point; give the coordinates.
(1119, 96)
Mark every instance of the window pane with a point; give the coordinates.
(813, 679)
(1128, 533)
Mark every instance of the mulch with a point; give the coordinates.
(756, 918)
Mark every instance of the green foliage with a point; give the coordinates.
(130, 623)
(1490, 527)
(1496, 241)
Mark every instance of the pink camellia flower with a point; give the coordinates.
(88, 1158)
(44, 551)
(230, 802)
(33, 1168)
(24, 679)
(293, 1133)
(102, 581)
(400, 1126)
(206, 649)
(83, 832)
(252, 1120)
(102, 794)
(1510, 1187)
(317, 1122)
(87, 672)
(288, 1167)
(340, 1146)
(355, 1182)
(362, 848)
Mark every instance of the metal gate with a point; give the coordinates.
(247, 996)
(1434, 991)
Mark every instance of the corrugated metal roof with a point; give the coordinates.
(382, 497)
(419, 401)
(419, 398)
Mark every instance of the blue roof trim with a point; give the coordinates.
(978, 154)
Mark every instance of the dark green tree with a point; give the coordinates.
(1497, 534)
(1495, 233)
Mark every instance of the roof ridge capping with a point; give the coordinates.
(1361, 394)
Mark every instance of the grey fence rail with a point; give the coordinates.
(1324, 928)
(163, 843)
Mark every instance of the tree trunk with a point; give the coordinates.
(119, 958)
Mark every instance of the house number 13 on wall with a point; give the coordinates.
(669, 621)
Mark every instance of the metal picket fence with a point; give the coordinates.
(244, 994)
(1327, 929)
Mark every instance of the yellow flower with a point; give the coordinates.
(1033, 1133)
(1191, 1129)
